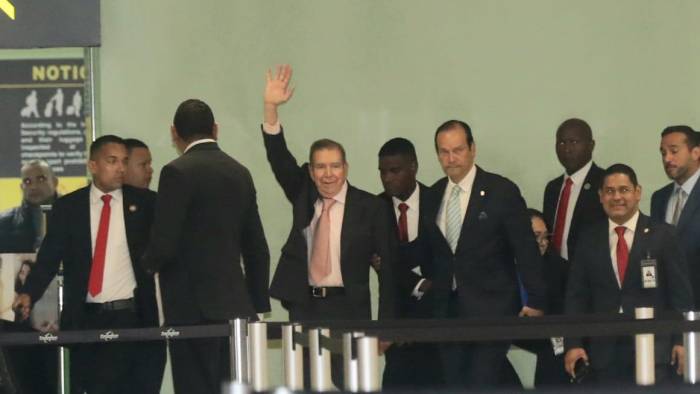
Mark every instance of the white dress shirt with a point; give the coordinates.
(336, 215)
(687, 187)
(577, 178)
(630, 227)
(118, 281)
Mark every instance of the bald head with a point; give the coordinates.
(38, 183)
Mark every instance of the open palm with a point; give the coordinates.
(277, 89)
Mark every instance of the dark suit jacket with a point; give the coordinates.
(206, 218)
(593, 287)
(586, 211)
(69, 239)
(687, 231)
(411, 255)
(18, 232)
(365, 231)
(496, 232)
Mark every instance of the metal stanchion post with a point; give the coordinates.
(368, 364)
(238, 345)
(350, 372)
(293, 361)
(257, 341)
(320, 361)
(691, 343)
(644, 347)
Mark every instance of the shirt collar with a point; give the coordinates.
(466, 183)
(96, 194)
(202, 141)
(579, 176)
(689, 184)
(631, 224)
(411, 201)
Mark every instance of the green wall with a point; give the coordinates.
(367, 71)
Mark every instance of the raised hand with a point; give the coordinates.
(277, 89)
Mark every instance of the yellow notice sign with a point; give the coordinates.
(8, 8)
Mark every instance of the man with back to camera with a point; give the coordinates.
(206, 220)
(21, 227)
(479, 228)
(414, 364)
(571, 203)
(323, 272)
(621, 263)
(99, 232)
(138, 171)
(678, 203)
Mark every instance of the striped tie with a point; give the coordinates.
(453, 218)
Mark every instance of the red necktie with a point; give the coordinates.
(98, 258)
(622, 253)
(561, 215)
(403, 222)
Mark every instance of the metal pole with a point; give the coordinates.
(293, 361)
(238, 346)
(368, 364)
(350, 372)
(644, 346)
(257, 341)
(320, 361)
(91, 58)
(691, 343)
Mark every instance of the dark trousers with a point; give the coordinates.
(413, 365)
(473, 365)
(126, 367)
(34, 369)
(200, 365)
(334, 307)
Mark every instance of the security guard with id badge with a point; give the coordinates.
(620, 264)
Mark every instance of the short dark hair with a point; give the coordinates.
(533, 213)
(133, 143)
(97, 144)
(193, 118)
(325, 143)
(619, 168)
(577, 124)
(399, 147)
(691, 136)
(455, 124)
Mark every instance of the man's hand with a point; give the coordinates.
(376, 262)
(571, 357)
(425, 286)
(678, 358)
(383, 346)
(531, 312)
(277, 91)
(23, 305)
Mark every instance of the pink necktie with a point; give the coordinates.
(320, 252)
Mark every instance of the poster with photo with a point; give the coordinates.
(14, 269)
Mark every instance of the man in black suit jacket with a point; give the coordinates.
(620, 264)
(116, 293)
(342, 293)
(574, 147)
(479, 229)
(206, 219)
(408, 365)
(680, 153)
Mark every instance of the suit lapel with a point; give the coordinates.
(690, 207)
(637, 252)
(129, 209)
(603, 245)
(475, 207)
(658, 208)
(587, 193)
(84, 235)
(351, 214)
